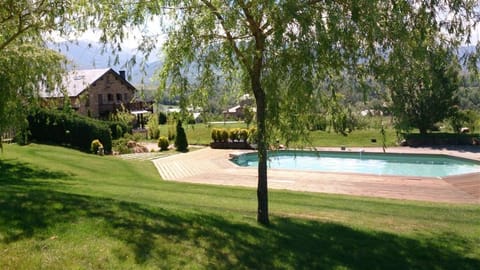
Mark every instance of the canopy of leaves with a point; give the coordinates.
(26, 65)
(292, 46)
(423, 90)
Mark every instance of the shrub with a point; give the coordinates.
(466, 118)
(120, 145)
(68, 129)
(162, 118)
(163, 143)
(181, 142)
(224, 135)
(216, 135)
(252, 135)
(95, 146)
(118, 129)
(234, 134)
(153, 128)
(243, 134)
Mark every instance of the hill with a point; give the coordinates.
(87, 55)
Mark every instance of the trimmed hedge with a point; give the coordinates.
(69, 129)
(415, 139)
(233, 135)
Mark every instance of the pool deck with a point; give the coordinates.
(211, 166)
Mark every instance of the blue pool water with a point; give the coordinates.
(366, 163)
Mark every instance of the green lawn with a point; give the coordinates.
(201, 134)
(63, 209)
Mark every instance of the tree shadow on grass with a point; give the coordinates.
(14, 172)
(216, 242)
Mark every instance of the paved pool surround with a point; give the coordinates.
(213, 166)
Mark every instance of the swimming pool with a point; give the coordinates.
(366, 163)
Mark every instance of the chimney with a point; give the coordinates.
(122, 74)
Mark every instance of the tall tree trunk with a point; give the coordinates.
(262, 187)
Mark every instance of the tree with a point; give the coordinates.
(282, 51)
(423, 88)
(26, 65)
(181, 142)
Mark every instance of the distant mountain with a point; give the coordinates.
(85, 55)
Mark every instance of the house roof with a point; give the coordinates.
(76, 81)
(233, 109)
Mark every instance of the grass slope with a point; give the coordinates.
(63, 209)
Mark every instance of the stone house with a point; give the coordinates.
(94, 92)
(238, 111)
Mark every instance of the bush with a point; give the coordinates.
(252, 135)
(153, 128)
(216, 134)
(118, 129)
(224, 135)
(120, 145)
(163, 143)
(243, 134)
(95, 146)
(181, 142)
(68, 129)
(234, 134)
(466, 118)
(162, 118)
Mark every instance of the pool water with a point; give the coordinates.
(367, 163)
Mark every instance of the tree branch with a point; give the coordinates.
(228, 34)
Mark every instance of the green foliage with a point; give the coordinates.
(28, 67)
(248, 115)
(95, 146)
(233, 134)
(224, 135)
(464, 118)
(216, 134)
(181, 142)
(118, 129)
(152, 126)
(70, 129)
(120, 146)
(252, 135)
(243, 134)
(423, 83)
(162, 118)
(163, 143)
(124, 117)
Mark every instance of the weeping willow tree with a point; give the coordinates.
(280, 51)
(27, 66)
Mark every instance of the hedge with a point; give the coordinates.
(415, 139)
(69, 129)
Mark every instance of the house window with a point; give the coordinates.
(110, 97)
(119, 97)
(100, 99)
(125, 97)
